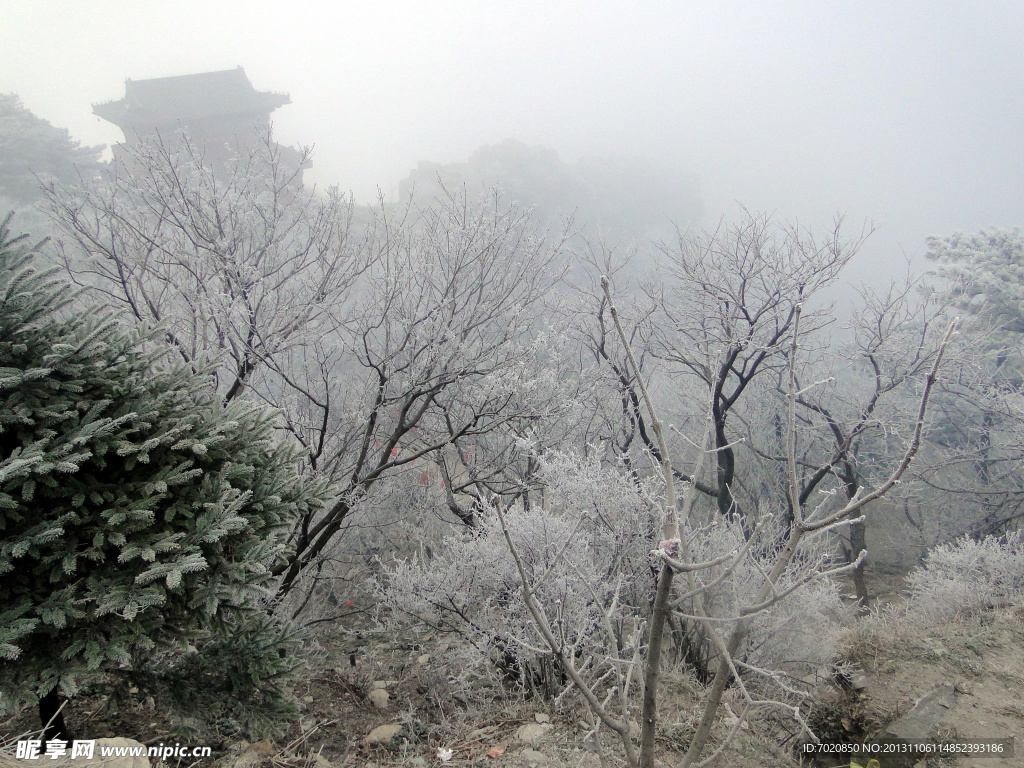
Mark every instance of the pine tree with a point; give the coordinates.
(31, 149)
(137, 514)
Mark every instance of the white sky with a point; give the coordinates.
(907, 113)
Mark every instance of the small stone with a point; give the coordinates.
(423, 659)
(379, 698)
(533, 757)
(383, 734)
(541, 718)
(380, 684)
(308, 699)
(533, 733)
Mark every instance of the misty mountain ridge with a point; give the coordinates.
(610, 196)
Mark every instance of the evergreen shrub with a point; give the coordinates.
(139, 516)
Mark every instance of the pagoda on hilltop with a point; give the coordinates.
(220, 110)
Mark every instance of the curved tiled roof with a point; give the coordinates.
(187, 97)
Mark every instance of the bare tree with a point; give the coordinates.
(863, 400)
(742, 316)
(619, 423)
(237, 263)
(442, 349)
(726, 315)
(415, 341)
(808, 521)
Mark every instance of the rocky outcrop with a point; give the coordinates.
(922, 723)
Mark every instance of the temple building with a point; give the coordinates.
(222, 110)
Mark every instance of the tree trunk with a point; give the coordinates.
(652, 670)
(52, 718)
(858, 540)
(858, 544)
(726, 469)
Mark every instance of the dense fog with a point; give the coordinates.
(906, 115)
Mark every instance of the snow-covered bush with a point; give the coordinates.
(588, 543)
(797, 634)
(472, 587)
(584, 547)
(968, 574)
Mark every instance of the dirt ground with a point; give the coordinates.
(980, 658)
